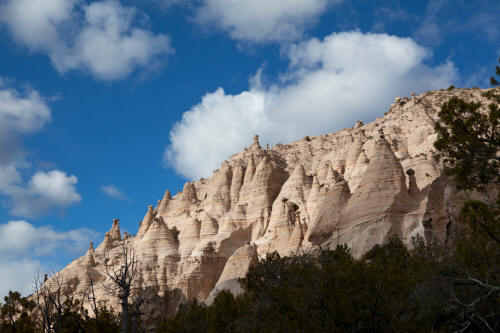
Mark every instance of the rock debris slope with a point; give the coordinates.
(357, 186)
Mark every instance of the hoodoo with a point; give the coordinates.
(358, 186)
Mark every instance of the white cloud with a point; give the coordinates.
(329, 84)
(22, 114)
(99, 37)
(220, 125)
(19, 114)
(25, 113)
(262, 20)
(113, 192)
(23, 247)
(35, 22)
(55, 186)
(43, 192)
(17, 275)
(19, 238)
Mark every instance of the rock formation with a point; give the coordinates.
(358, 186)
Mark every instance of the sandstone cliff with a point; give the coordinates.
(357, 186)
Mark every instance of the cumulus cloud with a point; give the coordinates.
(56, 186)
(22, 114)
(19, 114)
(44, 191)
(329, 84)
(19, 238)
(261, 20)
(113, 192)
(25, 246)
(100, 37)
(25, 113)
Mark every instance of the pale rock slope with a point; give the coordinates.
(357, 186)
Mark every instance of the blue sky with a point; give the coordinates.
(106, 104)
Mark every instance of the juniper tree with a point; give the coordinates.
(468, 144)
(493, 80)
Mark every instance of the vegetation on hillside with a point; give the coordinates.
(22, 315)
(390, 289)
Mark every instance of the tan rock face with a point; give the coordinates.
(358, 186)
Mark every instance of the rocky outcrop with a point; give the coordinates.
(358, 186)
(376, 208)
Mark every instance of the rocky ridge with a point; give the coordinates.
(357, 186)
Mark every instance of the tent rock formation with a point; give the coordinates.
(358, 186)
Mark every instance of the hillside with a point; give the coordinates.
(357, 186)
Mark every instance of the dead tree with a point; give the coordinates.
(475, 308)
(53, 299)
(91, 296)
(124, 279)
(43, 297)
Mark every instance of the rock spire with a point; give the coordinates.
(358, 186)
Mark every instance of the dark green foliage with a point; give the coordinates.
(223, 313)
(492, 95)
(19, 315)
(469, 145)
(493, 80)
(451, 87)
(391, 289)
(105, 322)
(16, 314)
(468, 141)
(222, 316)
(190, 318)
(305, 292)
(387, 290)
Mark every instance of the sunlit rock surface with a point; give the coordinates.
(357, 186)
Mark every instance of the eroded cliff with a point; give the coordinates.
(357, 186)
